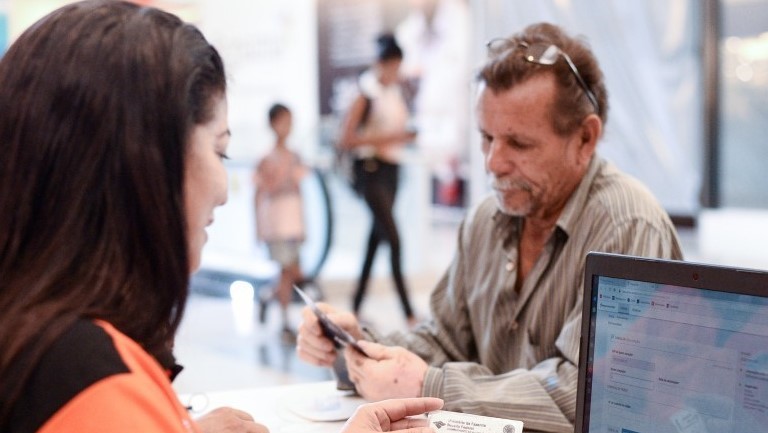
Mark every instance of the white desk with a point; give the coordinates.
(307, 407)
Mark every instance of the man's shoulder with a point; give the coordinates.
(621, 215)
(621, 195)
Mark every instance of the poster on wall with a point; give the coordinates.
(346, 33)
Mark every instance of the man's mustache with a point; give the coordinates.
(509, 184)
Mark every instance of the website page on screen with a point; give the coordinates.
(670, 359)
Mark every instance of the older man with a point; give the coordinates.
(504, 335)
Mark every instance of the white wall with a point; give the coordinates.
(270, 52)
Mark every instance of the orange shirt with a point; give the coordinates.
(96, 379)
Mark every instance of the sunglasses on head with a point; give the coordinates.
(543, 54)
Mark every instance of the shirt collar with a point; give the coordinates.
(168, 362)
(569, 217)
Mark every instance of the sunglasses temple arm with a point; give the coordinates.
(575, 71)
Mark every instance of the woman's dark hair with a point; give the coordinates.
(98, 101)
(276, 110)
(507, 67)
(387, 48)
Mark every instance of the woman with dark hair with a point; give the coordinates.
(375, 130)
(113, 130)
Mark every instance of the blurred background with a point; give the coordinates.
(688, 92)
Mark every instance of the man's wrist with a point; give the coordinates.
(433, 383)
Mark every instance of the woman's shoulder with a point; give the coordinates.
(83, 355)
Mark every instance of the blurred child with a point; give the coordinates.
(279, 214)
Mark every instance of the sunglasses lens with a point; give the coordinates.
(542, 54)
(497, 46)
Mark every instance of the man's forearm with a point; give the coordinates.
(543, 398)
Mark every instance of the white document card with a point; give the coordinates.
(453, 422)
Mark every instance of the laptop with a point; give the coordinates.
(672, 347)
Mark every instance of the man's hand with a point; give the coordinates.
(228, 420)
(390, 372)
(311, 345)
(391, 416)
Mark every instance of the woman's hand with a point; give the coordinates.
(393, 416)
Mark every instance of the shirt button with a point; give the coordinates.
(510, 266)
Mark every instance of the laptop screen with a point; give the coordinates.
(673, 347)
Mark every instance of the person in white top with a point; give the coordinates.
(375, 131)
